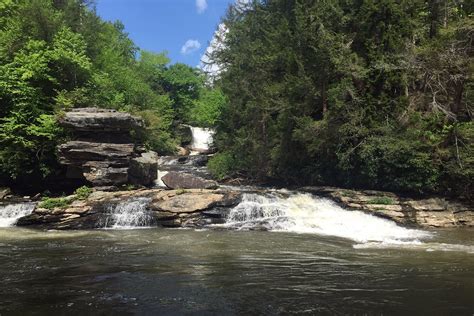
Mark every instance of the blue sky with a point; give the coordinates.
(158, 25)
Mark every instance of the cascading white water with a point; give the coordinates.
(202, 138)
(10, 213)
(304, 213)
(130, 214)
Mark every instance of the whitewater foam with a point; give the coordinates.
(304, 213)
(10, 213)
(130, 214)
(202, 139)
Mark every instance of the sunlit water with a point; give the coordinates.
(166, 271)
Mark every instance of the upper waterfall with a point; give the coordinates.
(202, 138)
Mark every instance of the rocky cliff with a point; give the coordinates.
(103, 150)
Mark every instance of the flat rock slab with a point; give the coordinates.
(191, 201)
(180, 180)
(100, 120)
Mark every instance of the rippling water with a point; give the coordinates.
(163, 271)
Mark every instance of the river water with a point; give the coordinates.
(216, 271)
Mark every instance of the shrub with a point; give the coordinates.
(51, 203)
(383, 200)
(83, 192)
(222, 165)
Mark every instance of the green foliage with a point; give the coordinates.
(382, 200)
(222, 165)
(52, 203)
(207, 108)
(83, 192)
(373, 94)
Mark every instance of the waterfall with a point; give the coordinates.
(304, 213)
(130, 214)
(10, 213)
(202, 138)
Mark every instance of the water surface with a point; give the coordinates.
(169, 272)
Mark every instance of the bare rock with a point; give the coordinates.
(100, 120)
(143, 169)
(79, 152)
(193, 200)
(178, 180)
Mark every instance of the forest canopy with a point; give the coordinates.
(365, 93)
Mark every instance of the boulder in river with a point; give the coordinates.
(180, 180)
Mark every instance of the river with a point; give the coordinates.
(179, 271)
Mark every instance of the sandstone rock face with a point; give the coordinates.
(168, 208)
(143, 169)
(103, 151)
(178, 180)
(430, 212)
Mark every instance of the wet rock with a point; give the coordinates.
(143, 169)
(4, 192)
(178, 180)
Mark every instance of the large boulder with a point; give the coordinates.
(143, 169)
(192, 201)
(179, 180)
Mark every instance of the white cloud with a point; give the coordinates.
(190, 47)
(201, 6)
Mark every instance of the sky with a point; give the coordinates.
(184, 28)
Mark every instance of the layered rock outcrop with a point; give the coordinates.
(103, 151)
(167, 208)
(423, 212)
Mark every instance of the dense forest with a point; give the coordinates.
(364, 94)
(58, 54)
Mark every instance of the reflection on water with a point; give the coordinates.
(227, 272)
